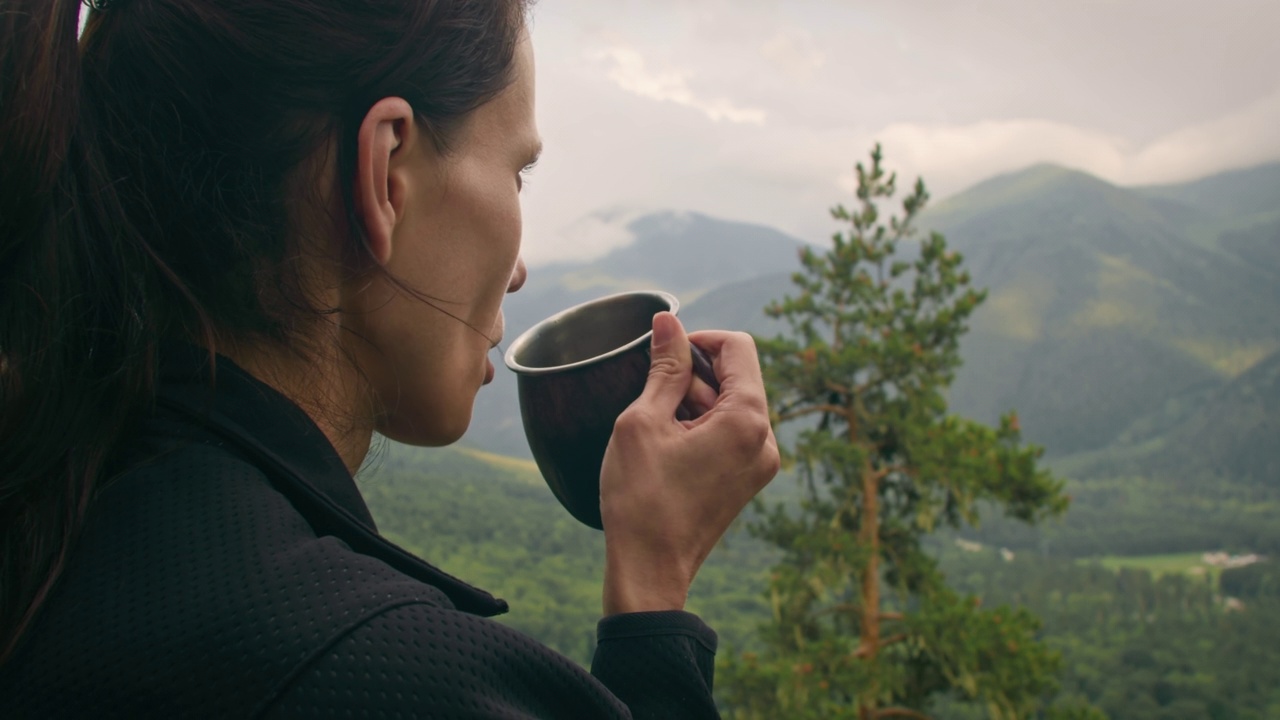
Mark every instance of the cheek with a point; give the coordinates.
(439, 361)
(505, 221)
(498, 237)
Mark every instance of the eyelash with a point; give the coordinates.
(525, 172)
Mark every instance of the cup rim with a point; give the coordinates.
(527, 336)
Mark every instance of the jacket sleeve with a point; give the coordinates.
(424, 661)
(660, 664)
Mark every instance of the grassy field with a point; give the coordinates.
(1178, 563)
(525, 471)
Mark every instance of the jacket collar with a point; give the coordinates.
(278, 437)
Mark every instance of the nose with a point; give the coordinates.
(518, 276)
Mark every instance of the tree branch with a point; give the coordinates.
(900, 712)
(834, 609)
(893, 639)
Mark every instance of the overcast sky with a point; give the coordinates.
(757, 109)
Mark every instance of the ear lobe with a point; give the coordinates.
(380, 189)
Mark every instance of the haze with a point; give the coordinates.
(757, 109)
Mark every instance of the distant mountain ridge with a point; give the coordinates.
(1108, 305)
(1247, 193)
(687, 253)
(684, 253)
(1102, 304)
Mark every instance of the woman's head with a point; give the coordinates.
(196, 169)
(448, 224)
(262, 105)
(210, 112)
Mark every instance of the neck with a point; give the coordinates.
(326, 386)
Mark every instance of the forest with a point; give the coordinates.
(1134, 644)
(1134, 330)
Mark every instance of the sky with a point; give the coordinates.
(757, 110)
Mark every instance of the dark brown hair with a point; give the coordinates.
(145, 194)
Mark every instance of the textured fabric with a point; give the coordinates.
(232, 570)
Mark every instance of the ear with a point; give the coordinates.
(381, 183)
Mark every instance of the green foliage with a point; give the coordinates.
(863, 624)
(1135, 516)
(1136, 646)
(481, 522)
(1175, 403)
(1128, 640)
(1261, 580)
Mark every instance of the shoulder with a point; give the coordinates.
(197, 588)
(430, 661)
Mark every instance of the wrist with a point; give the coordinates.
(631, 587)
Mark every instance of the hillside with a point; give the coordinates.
(1128, 637)
(1235, 200)
(1108, 323)
(1228, 433)
(481, 519)
(1101, 306)
(1136, 330)
(686, 254)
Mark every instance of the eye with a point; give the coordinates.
(525, 171)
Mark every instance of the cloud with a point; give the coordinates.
(757, 109)
(793, 51)
(952, 156)
(630, 72)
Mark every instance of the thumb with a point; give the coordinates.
(670, 365)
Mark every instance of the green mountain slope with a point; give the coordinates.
(481, 518)
(1228, 433)
(1101, 306)
(1240, 196)
(686, 254)
(1108, 321)
(1258, 245)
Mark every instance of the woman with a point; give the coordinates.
(237, 237)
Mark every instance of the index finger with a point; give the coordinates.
(736, 361)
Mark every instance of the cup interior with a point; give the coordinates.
(588, 332)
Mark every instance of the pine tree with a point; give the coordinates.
(864, 624)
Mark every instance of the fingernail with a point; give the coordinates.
(662, 331)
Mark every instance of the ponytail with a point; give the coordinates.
(77, 344)
(147, 189)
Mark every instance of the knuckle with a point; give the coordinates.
(664, 365)
(771, 461)
(629, 424)
(751, 433)
(761, 433)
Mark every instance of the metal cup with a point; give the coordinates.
(576, 372)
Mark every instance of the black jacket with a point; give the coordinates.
(233, 570)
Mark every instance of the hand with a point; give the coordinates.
(670, 488)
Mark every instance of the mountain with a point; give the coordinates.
(686, 254)
(1110, 318)
(740, 305)
(1237, 199)
(1102, 305)
(1227, 432)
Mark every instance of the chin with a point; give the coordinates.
(428, 430)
